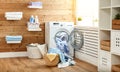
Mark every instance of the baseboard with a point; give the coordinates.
(12, 54)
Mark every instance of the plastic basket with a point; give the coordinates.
(33, 52)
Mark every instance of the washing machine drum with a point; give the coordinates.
(76, 39)
(63, 35)
(62, 39)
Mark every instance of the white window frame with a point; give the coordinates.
(87, 10)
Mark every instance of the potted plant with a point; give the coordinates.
(117, 16)
(95, 22)
(116, 22)
(79, 20)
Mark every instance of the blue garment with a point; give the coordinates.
(62, 45)
(57, 51)
(62, 48)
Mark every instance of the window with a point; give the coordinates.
(87, 10)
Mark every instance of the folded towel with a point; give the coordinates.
(13, 13)
(36, 3)
(13, 38)
(13, 16)
(51, 56)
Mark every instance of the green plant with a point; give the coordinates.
(117, 16)
(95, 20)
(79, 19)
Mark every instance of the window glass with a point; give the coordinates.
(87, 12)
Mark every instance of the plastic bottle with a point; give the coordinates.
(36, 19)
(32, 19)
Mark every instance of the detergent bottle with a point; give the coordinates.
(32, 19)
(36, 19)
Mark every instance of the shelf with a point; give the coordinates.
(108, 9)
(13, 15)
(105, 7)
(37, 7)
(39, 29)
(115, 11)
(105, 19)
(105, 29)
(33, 27)
(116, 6)
(13, 39)
(13, 42)
(115, 53)
(105, 35)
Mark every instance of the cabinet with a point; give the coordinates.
(108, 59)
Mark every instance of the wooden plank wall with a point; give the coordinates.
(53, 10)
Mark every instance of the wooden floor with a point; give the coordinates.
(38, 65)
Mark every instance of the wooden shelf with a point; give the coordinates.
(13, 15)
(36, 7)
(39, 29)
(13, 42)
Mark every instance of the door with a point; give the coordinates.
(76, 39)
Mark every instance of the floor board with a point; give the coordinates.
(38, 65)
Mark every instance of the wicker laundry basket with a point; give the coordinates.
(53, 62)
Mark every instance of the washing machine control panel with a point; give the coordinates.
(58, 24)
(62, 24)
(55, 23)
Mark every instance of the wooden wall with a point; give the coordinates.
(53, 10)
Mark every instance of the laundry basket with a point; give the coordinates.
(54, 62)
(33, 52)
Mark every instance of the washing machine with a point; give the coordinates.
(55, 30)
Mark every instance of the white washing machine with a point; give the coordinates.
(58, 29)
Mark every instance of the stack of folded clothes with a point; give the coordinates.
(13, 39)
(13, 15)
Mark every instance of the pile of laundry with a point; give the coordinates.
(65, 59)
(56, 56)
(63, 51)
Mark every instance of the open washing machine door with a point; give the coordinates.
(76, 39)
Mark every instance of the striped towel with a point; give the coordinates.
(13, 38)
